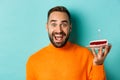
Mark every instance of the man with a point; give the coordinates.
(61, 59)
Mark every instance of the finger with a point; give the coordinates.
(100, 51)
(93, 51)
(109, 48)
(106, 50)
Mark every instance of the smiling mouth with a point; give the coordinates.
(58, 37)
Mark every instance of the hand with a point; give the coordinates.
(101, 55)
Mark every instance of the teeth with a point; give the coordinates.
(58, 38)
(58, 35)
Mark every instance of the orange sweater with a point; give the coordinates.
(72, 62)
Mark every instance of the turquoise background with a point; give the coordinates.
(23, 32)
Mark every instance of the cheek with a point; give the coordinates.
(67, 31)
(50, 30)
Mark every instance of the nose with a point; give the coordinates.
(59, 28)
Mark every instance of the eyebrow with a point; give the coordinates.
(53, 21)
(65, 21)
(56, 21)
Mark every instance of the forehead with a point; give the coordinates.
(59, 16)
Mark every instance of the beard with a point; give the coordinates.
(59, 44)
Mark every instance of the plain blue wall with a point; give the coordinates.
(23, 32)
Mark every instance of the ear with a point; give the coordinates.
(47, 27)
(70, 27)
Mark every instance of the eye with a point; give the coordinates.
(53, 24)
(64, 24)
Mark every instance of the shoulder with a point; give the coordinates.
(36, 55)
(82, 50)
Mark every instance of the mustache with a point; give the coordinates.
(61, 33)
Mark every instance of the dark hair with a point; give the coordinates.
(59, 9)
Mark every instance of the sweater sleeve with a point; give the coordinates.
(95, 72)
(29, 71)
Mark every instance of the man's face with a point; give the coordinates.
(59, 28)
